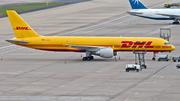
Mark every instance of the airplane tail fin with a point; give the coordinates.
(137, 4)
(20, 27)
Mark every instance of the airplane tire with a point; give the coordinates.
(84, 58)
(153, 58)
(88, 58)
(175, 23)
(145, 67)
(92, 57)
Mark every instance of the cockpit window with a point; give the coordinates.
(166, 43)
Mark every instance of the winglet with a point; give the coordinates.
(137, 4)
(20, 27)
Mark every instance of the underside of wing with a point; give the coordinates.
(170, 15)
(87, 48)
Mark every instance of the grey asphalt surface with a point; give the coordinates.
(28, 74)
(16, 2)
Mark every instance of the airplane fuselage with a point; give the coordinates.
(115, 43)
(156, 14)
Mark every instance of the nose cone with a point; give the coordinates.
(173, 48)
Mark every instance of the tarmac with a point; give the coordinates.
(28, 74)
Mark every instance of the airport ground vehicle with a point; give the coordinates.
(164, 58)
(176, 59)
(178, 65)
(133, 67)
(168, 5)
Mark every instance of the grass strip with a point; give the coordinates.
(28, 7)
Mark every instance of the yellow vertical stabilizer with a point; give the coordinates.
(20, 27)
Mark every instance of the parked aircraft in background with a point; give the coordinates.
(138, 9)
(105, 47)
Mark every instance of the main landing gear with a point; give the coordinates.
(88, 56)
(175, 21)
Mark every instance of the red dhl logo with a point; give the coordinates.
(137, 44)
(22, 28)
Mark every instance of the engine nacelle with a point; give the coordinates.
(105, 53)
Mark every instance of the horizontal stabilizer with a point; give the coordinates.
(16, 41)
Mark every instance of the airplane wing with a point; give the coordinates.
(87, 48)
(170, 15)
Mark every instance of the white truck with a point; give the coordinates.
(132, 67)
(164, 58)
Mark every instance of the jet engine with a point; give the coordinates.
(105, 53)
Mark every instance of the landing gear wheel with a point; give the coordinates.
(145, 66)
(92, 57)
(84, 58)
(88, 58)
(175, 23)
(153, 58)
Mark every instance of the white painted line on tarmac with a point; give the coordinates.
(6, 46)
(126, 99)
(97, 25)
(161, 77)
(136, 93)
(50, 98)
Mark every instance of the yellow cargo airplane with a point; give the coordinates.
(105, 47)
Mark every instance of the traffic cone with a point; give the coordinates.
(119, 58)
(107, 60)
(65, 61)
(1, 59)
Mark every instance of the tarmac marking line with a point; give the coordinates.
(136, 93)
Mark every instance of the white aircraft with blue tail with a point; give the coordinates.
(138, 9)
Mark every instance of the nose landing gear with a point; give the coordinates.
(154, 56)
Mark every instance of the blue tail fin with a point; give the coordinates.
(137, 4)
